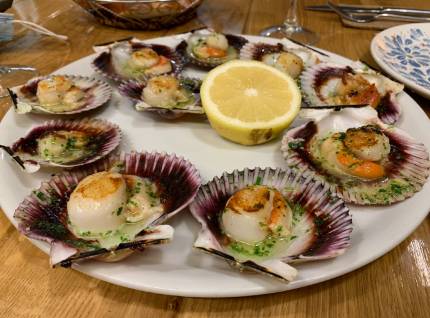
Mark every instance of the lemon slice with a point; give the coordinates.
(249, 102)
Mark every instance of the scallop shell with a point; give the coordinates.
(97, 94)
(133, 90)
(389, 109)
(107, 137)
(256, 51)
(409, 159)
(104, 65)
(42, 214)
(237, 42)
(322, 231)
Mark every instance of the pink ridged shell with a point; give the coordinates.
(98, 93)
(389, 109)
(133, 90)
(102, 64)
(409, 161)
(109, 136)
(179, 178)
(331, 237)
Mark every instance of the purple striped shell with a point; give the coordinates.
(322, 228)
(406, 168)
(317, 90)
(102, 138)
(257, 51)
(186, 49)
(96, 94)
(43, 214)
(133, 90)
(106, 66)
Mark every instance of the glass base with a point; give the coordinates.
(296, 33)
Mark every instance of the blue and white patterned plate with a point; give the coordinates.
(403, 52)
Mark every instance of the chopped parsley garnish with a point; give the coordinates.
(397, 188)
(120, 165)
(82, 244)
(341, 136)
(298, 212)
(54, 200)
(152, 194)
(391, 190)
(296, 144)
(71, 143)
(319, 221)
(119, 210)
(261, 249)
(132, 202)
(239, 248)
(55, 230)
(258, 181)
(40, 195)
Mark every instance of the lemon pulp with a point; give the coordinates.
(249, 102)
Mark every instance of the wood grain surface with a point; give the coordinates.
(396, 285)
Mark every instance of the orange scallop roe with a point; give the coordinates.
(278, 210)
(360, 168)
(214, 52)
(357, 90)
(369, 96)
(254, 199)
(163, 60)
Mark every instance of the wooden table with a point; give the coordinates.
(396, 285)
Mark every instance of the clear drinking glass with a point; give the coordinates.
(14, 75)
(291, 28)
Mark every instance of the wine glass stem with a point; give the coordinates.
(291, 21)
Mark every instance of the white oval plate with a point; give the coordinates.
(178, 269)
(404, 53)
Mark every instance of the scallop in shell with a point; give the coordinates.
(168, 95)
(61, 94)
(109, 208)
(289, 60)
(264, 219)
(137, 60)
(209, 49)
(332, 84)
(68, 143)
(365, 161)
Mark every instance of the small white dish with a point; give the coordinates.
(403, 52)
